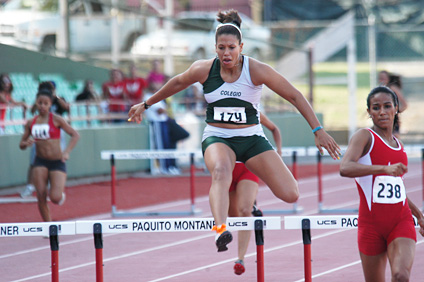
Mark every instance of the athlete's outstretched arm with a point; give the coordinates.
(197, 72)
(264, 74)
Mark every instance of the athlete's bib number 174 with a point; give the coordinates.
(230, 114)
(388, 190)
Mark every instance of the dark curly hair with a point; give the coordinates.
(229, 16)
(45, 88)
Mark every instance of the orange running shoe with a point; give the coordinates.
(222, 238)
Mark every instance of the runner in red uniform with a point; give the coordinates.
(243, 191)
(378, 161)
(49, 165)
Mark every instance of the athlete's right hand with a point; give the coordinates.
(396, 169)
(135, 113)
(29, 142)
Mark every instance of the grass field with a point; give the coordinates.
(331, 93)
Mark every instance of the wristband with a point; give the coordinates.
(146, 106)
(317, 128)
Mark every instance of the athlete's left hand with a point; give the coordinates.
(65, 156)
(323, 139)
(421, 223)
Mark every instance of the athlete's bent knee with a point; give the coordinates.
(292, 196)
(55, 199)
(245, 212)
(401, 276)
(221, 173)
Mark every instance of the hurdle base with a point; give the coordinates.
(11, 200)
(141, 214)
(324, 210)
(295, 210)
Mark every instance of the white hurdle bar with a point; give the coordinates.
(98, 227)
(51, 229)
(150, 154)
(306, 223)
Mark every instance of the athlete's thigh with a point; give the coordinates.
(219, 156)
(40, 177)
(401, 253)
(57, 182)
(374, 267)
(269, 167)
(232, 210)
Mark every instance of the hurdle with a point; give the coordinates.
(321, 207)
(306, 223)
(150, 154)
(12, 200)
(97, 228)
(53, 230)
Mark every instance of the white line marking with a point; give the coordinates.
(184, 202)
(339, 268)
(248, 255)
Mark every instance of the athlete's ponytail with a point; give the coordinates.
(230, 24)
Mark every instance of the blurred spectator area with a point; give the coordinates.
(82, 114)
(25, 90)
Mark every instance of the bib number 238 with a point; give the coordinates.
(230, 114)
(388, 190)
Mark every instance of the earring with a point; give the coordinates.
(370, 116)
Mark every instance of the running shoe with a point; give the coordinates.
(222, 240)
(29, 189)
(256, 211)
(239, 267)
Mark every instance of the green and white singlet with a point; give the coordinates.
(236, 103)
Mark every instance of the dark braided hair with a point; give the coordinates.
(45, 92)
(387, 90)
(229, 16)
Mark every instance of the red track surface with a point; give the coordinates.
(182, 256)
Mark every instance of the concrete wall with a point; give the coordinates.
(85, 158)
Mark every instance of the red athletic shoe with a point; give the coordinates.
(239, 267)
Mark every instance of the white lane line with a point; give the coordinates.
(339, 268)
(205, 198)
(263, 204)
(120, 256)
(332, 270)
(247, 255)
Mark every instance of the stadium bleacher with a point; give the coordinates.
(25, 89)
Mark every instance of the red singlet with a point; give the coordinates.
(44, 131)
(384, 213)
